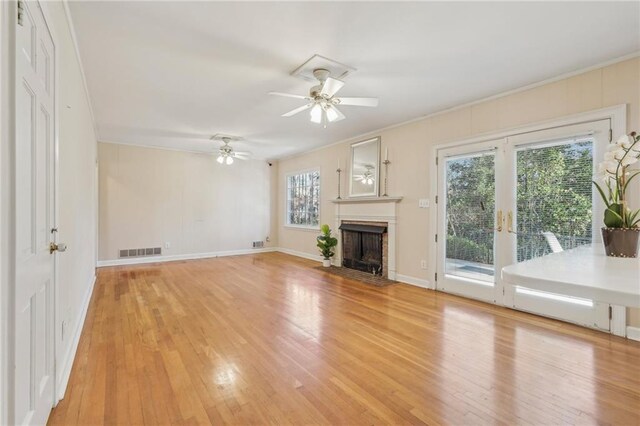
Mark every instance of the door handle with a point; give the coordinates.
(510, 222)
(61, 247)
(499, 220)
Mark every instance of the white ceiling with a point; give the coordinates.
(171, 74)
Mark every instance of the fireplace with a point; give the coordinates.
(363, 247)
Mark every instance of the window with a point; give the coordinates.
(303, 199)
(554, 195)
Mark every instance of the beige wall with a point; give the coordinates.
(411, 151)
(151, 196)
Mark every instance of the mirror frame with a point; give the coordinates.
(376, 186)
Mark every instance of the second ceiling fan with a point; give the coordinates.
(322, 100)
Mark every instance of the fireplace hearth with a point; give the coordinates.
(363, 247)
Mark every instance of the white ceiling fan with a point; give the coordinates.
(367, 177)
(226, 154)
(322, 100)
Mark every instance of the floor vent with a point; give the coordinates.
(151, 251)
(258, 244)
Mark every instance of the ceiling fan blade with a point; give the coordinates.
(297, 110)
(368, 102)
(334, 114)
(241, 154)
(331, 87)
(289, 95)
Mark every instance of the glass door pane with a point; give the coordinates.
(470, 212)
(554, 197)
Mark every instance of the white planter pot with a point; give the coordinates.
(326, 262)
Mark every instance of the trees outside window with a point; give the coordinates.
(303, 199)
(554, 194)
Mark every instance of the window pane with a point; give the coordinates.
(470, 204)
(554, 198)
(303, 198)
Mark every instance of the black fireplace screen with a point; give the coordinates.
(362, 247)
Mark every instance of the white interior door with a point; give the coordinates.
(552, 206)
(34, 314)
(470, 221)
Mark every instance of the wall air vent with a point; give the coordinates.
(258, 244)
(141, 252)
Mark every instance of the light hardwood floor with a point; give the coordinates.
(269, 339)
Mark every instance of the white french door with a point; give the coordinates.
(552, 207)
(514, 199)
(33, 391)
(470, 221)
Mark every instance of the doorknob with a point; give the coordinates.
(57, 247)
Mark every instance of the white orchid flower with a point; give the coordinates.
(625, 141)
(614, 155)
(611, 166)
(603, 174)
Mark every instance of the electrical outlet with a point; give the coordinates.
(267, 239)
(423, 264)
(423, 203)
(167, 245)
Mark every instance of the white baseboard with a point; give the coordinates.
(304, 255)
(171, 258)
(633, 333)
(418, 282)
(67, 362)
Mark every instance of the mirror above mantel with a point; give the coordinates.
(364, 173)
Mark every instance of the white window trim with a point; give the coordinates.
(286, 200)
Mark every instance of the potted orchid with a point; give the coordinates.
(622, 225)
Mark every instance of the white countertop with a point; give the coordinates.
(582, 272)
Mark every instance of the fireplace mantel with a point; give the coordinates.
(366, 200)
(369, 209)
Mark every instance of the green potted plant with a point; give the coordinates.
(326, 243)
(622, 225)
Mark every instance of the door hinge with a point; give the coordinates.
(610, 135)
(435, 277)
(20, 13)
(436, 199)
(436, 161)
(436, 238)
(610, 312)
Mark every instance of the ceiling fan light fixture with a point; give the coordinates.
(229, 160)
(316, 114)
(220, 159)
(332, 114)
(323, 100)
